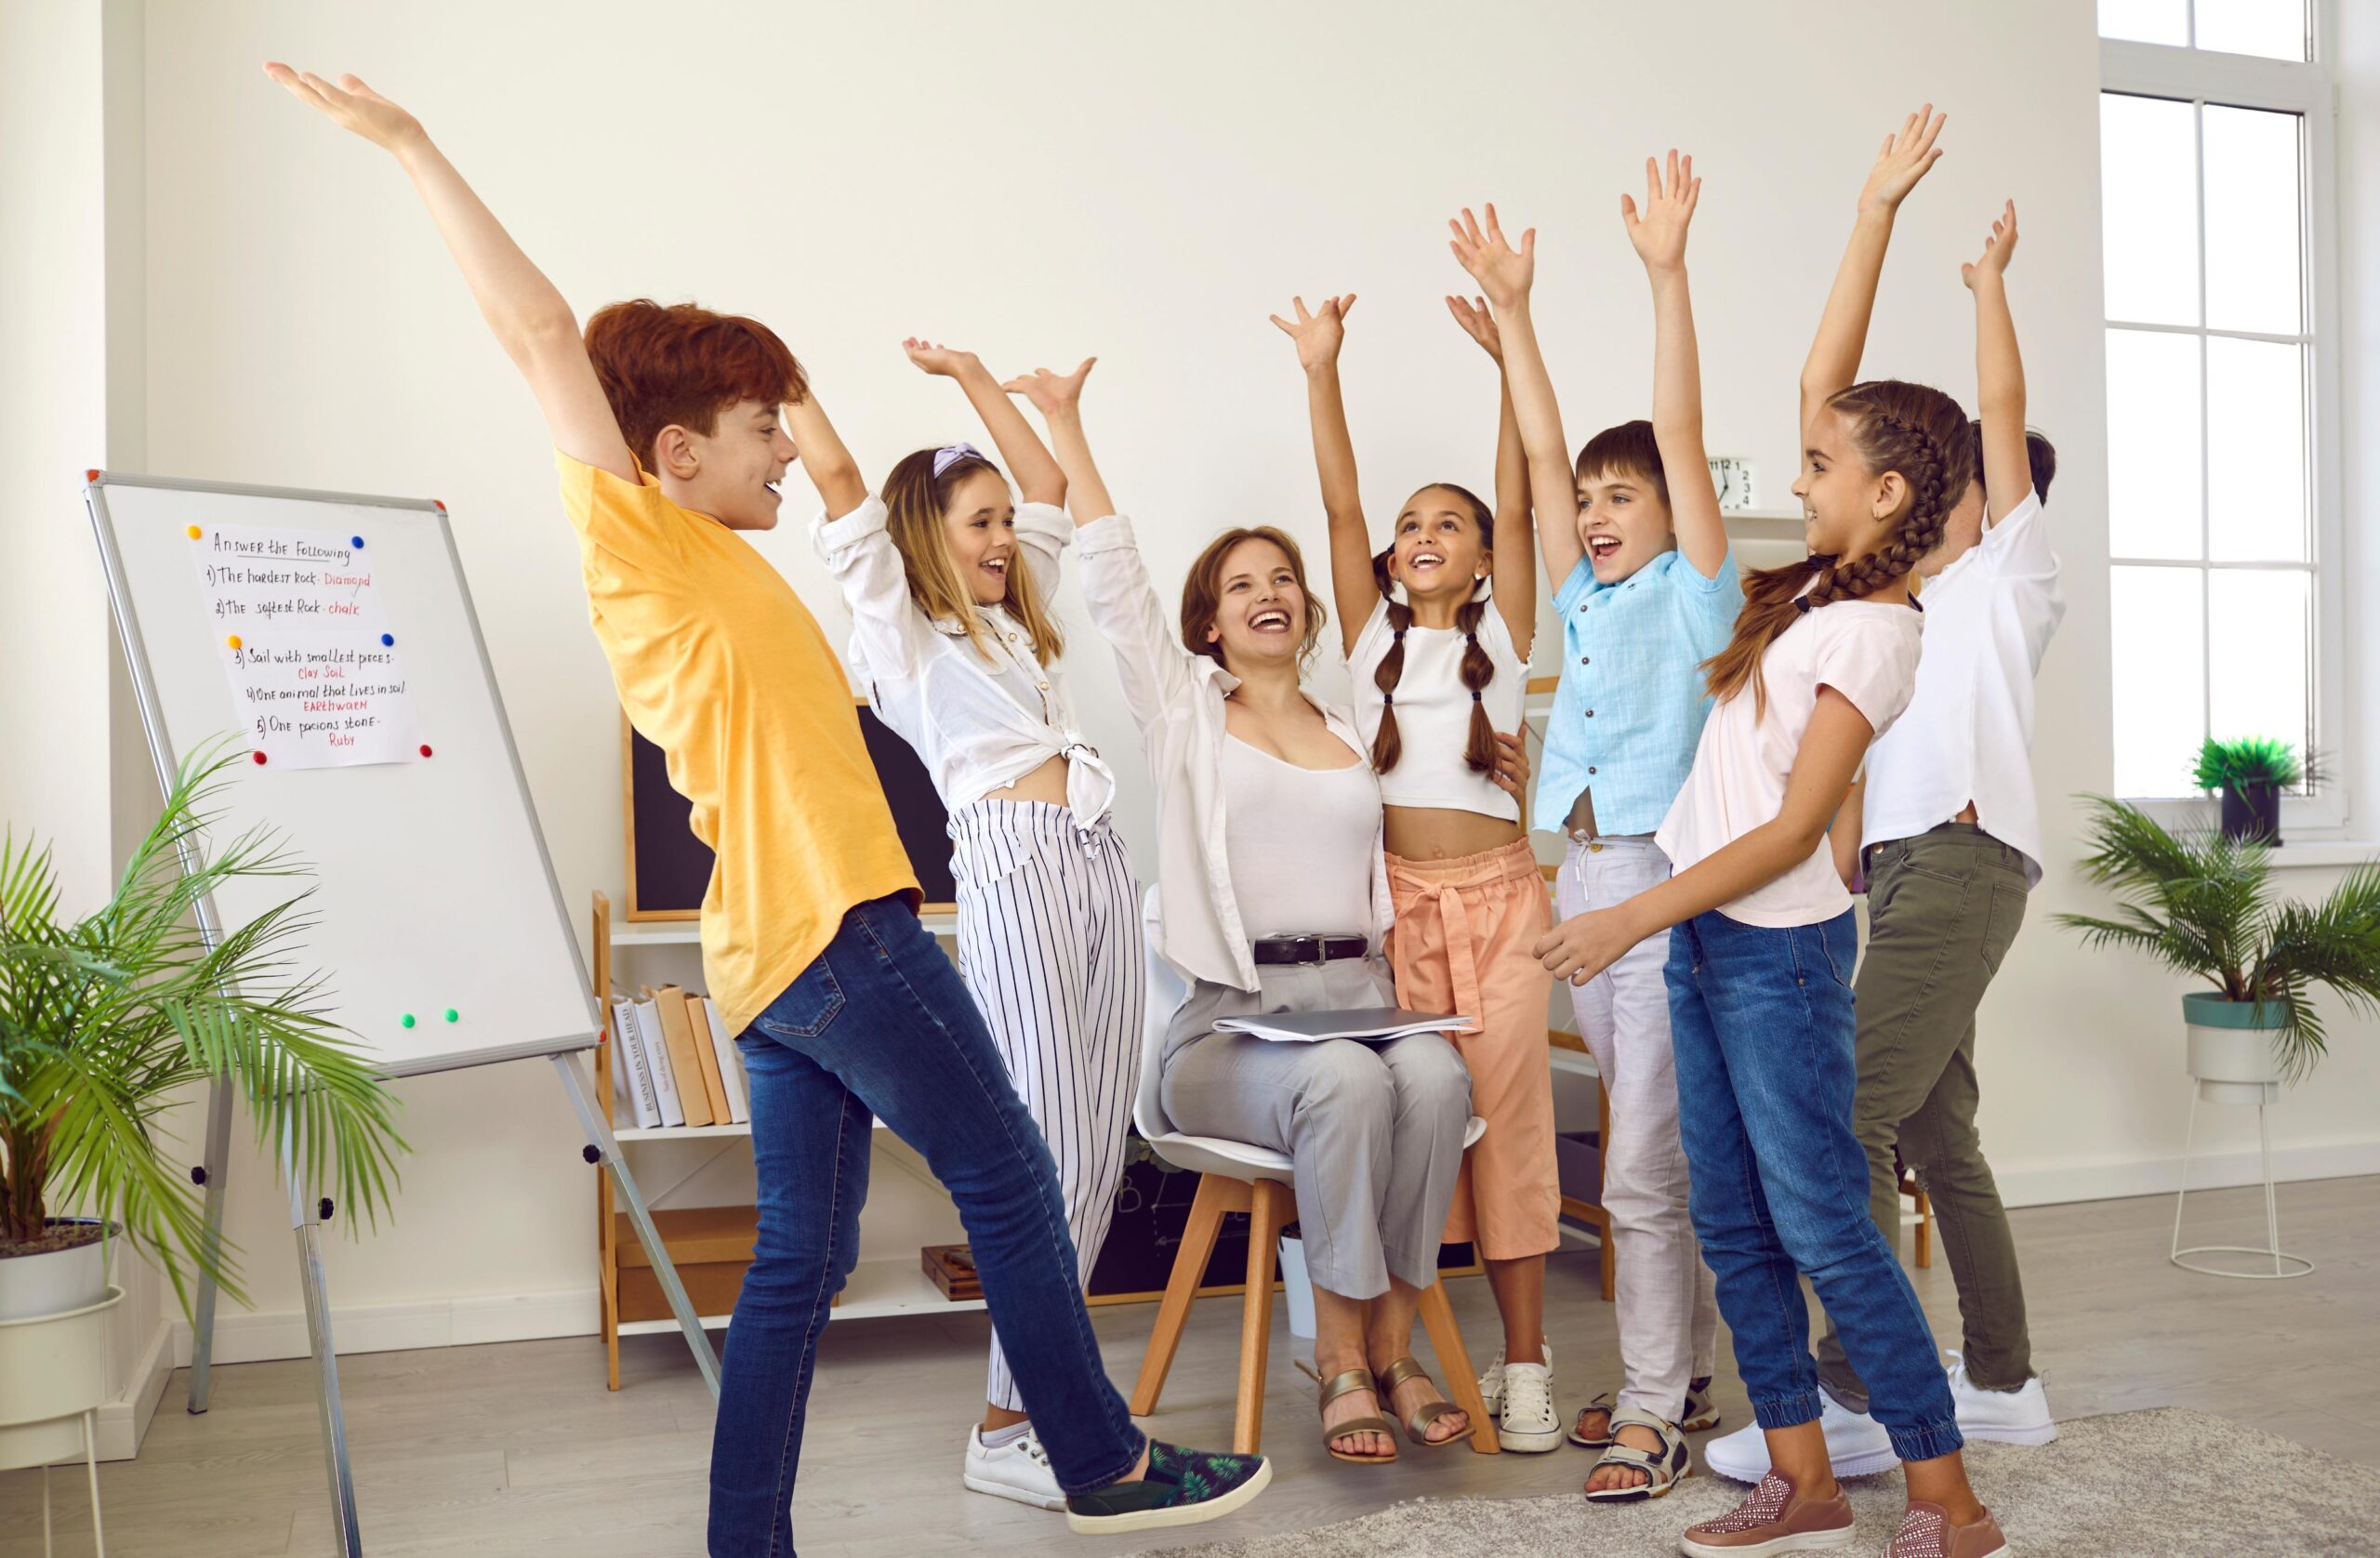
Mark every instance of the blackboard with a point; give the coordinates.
(669, 868)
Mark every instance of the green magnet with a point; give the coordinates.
(453, 1015)
(407, 1020)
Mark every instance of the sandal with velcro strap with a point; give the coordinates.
(1348, 1382)
(1663, 1468)
(1701, 1412)
(1418, 1422)
(1581, 1437)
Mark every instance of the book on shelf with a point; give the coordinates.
(707, 1053)
(656, 1059)
(632, 1079)
(731, 1064)
(678, 1042)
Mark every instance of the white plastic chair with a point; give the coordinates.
(1240, 1177)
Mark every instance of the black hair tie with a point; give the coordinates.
(1388, 700)
(1801, 604)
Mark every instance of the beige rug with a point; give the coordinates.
(2136, 1485)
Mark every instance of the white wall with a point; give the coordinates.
(1043, 182)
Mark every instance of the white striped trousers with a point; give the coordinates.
(1049, 944)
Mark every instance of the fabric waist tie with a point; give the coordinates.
(1445, 881)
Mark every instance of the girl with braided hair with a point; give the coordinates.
(1762, 948)
(1438, 629)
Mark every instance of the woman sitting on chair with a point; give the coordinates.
(1274, 899)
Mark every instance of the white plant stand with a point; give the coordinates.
(53, 1376)
(2234, 1065)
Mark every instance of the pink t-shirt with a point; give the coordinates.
(1865, 650)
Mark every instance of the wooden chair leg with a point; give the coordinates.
(1454, 1363)
(1924, 1230)
(1270, 1207)
(1217, 1194)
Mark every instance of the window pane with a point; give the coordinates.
(2253, 221)
(2158, 622)
(2262, 638)
(2148, 205)
(2153, 440)
(2147, 22)
(2275, 29)
(2255, 454)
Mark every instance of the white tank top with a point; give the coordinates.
(1300, 841)
(1433, 711)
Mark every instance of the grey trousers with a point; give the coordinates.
(1942, 909)
(1374, 1132)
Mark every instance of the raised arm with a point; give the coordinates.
(1658, 236)
(1506, 274)
(1833, 363)
(823, 459)
(1516, 582)
(888, 633)
(1318, 335)
(1999, 374)
(1059, 398)
(530, 318)
(1037, 477)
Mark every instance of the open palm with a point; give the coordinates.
(1904, 160)
(1659, 230)
(1996, 248)
(1318, 333)
(1502, 272)
(935, 357)
(350, 104)
(1051, 393)
(1478, 323)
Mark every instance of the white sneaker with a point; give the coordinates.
(2017, 1416)
(1855, 1443)
(1527, 1423)
(1018, 1470)
(1492, 1383)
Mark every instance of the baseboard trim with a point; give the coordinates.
(2114, 1179)
(124, 1422)
(465, 1322)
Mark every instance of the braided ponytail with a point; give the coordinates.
(1478, 667)
(1895, 426)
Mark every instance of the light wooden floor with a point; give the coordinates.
(518, 1449)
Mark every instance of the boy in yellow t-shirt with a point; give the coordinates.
(666, 430)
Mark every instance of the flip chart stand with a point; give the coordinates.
(307, 1207)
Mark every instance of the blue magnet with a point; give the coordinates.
(356, 541)
(387, 639)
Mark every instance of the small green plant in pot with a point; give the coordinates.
(2252, 771)
(109, 1022)
(2201, 903)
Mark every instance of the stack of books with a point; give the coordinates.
(674, 1063)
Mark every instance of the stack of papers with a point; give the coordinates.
(1377, 1023)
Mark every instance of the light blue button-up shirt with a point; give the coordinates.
(1630, 706)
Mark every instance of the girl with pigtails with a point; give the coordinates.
(1762, 946)
(948, 580)
(1437, 629)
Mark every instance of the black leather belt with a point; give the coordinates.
(1310, 949)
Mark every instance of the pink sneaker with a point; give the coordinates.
(1775, 1519)
(1926, 1532)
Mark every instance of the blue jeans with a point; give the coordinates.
(1761, 1022)
(880, 1024)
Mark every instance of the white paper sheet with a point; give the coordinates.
(1375, 1024)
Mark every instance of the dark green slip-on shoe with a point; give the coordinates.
(1183, 1488)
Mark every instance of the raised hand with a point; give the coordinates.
(1996, 248)
(351, 105)
(1051, 393)
(936, 358)
(1319, 332)
(1659, 232)
(1904, 161)
(1503, 272)
(1478, 323)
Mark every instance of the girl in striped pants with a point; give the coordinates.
(948, 580)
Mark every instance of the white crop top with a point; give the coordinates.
(1302, 843)
(1433, 711)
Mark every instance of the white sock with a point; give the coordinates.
(1000, 1438)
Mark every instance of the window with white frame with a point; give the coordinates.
(2216, 148)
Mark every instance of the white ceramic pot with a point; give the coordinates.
(54, 1280)
(2231, 1052)
(53, 1368)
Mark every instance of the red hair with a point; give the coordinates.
(674, 364)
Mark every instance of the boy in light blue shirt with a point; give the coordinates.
(1648, 592)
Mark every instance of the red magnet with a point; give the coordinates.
(259, 757)
(425, 749)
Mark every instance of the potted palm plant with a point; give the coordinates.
(109, 1021)
(2201, 903)
(2251, 771)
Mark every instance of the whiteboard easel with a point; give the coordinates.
(440, 922)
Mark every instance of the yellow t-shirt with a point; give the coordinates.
(720, 666)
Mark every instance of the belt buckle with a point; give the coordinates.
(1309, 950)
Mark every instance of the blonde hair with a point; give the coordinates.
(916, 501)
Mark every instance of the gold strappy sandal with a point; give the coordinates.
(1346, 1382)
(1417, 1424)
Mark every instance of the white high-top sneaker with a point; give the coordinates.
(1018, 1471)
(1526, 1422)
(1855, 1443)
(1492, 1383)
(2018, 1417)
